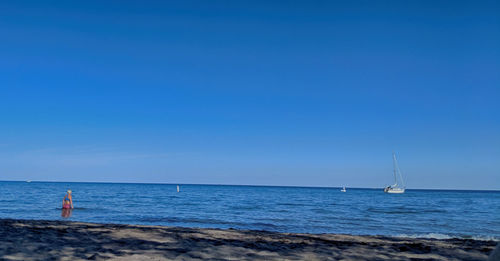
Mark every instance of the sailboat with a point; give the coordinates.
(343, 189)
(396, 188)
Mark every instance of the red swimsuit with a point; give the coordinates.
(66, 205)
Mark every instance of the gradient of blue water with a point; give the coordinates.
(285, 209)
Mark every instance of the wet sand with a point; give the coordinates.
(58, 240)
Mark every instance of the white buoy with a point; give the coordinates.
(177, 188)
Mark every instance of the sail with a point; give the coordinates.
(399, 185)
(394, 167)
(397, 173)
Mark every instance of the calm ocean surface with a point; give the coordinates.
(417, 213)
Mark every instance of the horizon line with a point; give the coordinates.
(243, 185)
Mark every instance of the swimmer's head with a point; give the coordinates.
(69, 191)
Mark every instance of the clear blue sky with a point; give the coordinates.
(308, 93)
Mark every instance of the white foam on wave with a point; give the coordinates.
(444, 236)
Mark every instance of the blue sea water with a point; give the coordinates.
(417, 213)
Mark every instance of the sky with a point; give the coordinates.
(298, 93)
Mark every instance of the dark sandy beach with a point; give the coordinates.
(55, 240)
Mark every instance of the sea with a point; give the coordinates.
(417, 213)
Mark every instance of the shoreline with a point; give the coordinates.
(70, 240)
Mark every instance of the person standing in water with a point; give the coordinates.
(67, 201)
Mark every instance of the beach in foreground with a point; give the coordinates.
(56, 240)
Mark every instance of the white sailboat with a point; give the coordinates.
(343, 189)
(396, 188)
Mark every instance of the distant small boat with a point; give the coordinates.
(178, 189)
(397, 188)
(28, 181)
(343, 189)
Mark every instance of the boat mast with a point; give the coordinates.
(395, 166)
(400, 176)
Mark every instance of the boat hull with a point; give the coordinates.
(394, 190)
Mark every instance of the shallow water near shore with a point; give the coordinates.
(417, 213)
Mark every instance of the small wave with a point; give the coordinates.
(321, 211)
(275, 219)
(256, 207)
(90, 209)
(279, 210)
(405, 211)
(290, 204)
(445, 236)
